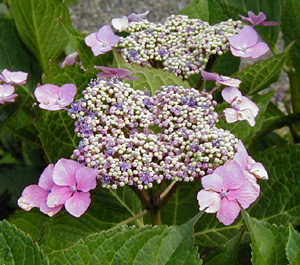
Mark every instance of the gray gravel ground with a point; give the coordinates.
(90, 15)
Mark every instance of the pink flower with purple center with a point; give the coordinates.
(258, 20)
(52, 97)
(246, 44)
(73, 183)
(242, 107)
(111, 72)
(36, 195)
(13, 78)
(224, 190)
(223, 80)
(102, 41)
(7, 94)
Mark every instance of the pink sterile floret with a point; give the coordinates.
(7, 94)
(242, 107)
(36, 195)
(258, 20)
(137, 17)
(223, 80)
(13, 78)
(119, 73)
(102, 41)
(69, 60)
(246, 44)
(224, 190)
(252, 170)
(73, 183)
(52, 97)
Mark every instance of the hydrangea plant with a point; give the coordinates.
(149, 143)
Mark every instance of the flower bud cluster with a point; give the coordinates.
(180, 45)
(135, 139)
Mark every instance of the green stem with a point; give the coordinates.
(133, 219)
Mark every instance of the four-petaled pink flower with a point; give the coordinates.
(13, 78)
(69, 60)
(223, 80)
(246, 44)
(224, 190)
(36, 195)
(7, 93)
(252, 170)
(119, 73)
(102, 41)
(242, 107)
(52, 97)
(73, 183)
(258, 20)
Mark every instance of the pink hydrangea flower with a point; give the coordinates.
(224, 190)
(69, 60)
(246, 44)
(120, 24)
(258, 20)
(102, 41)
(7, 94)
(253, 170)
(242, 107)
(36, 195)
(110, 72)
(223, 80)
(52, 97)
(13, 78)
(133, 17)
(73, 183)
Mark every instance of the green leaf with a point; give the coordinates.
(18, 248)
(293, 244)
(36, 21)
(268, 241)
(241, 129)
(197, 9)
(15, 178)
(56, 132)
(85, 53)
(290, 18)
(261, 75)
(278, 202)
(147, 245)
(150, 79)
(225, 254)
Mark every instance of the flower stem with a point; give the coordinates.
(133, 219)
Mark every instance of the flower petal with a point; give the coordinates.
(213, 182)
(65, 171)
(228, 212)
(245, 195)
(258, 49)
(78, 203)
(86, 178)
(66, 94)
(120, 24)
(209, 76)
(50, 211)
(46, 180)
(45, 93)
(246, 115)
(231, 115)
(32, 196)
(58, 195)
(230, 94)
(259, 171)
(209, 201)
(241, 156)
(247, 37)
(6, 90)
(232, 174)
